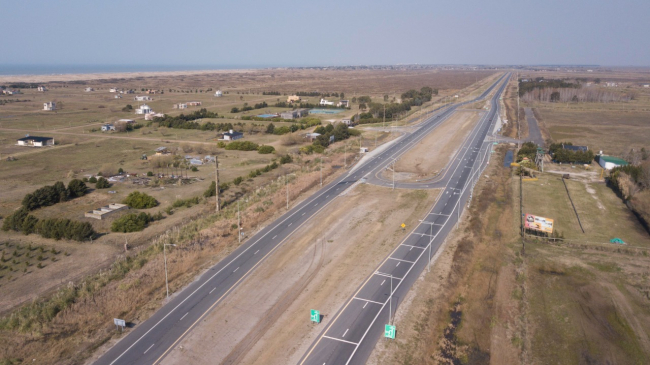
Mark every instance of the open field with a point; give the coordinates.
(265, 321)
(433, 153)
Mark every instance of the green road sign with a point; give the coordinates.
(389, 331)
(315, 316)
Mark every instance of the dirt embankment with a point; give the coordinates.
(433, 153)
(263, 321)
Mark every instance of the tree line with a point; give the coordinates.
(188, 121)
(562, 155)
(56, 228)
(53, 194)
(329, 134)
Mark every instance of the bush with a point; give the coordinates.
(15, 220)
(132, 222)
(221, 144)
(242, 146)
(77, 188)
(149, 173)
(102, 183)
(194, 169)
(264, 150)
(64, 228)
(92, 179)
(238, 180)
(46, 196)
(140, 200)
(286, 159)
(120, 171)
(185, 202)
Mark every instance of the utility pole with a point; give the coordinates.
(287, 186)
(394, 174)
(216, 181)
(238, 222)
(390, 301)
(346, 155)
(321, 171)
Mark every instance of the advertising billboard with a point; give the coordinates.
(538, 223)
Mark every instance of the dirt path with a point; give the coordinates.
(266, 320)
(433, 153)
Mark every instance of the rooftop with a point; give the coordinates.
(615, 160)
(35, 138)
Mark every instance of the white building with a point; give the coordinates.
(42, 88)
(143, 98)
(232, 135)
(646, 85)
(50, 105)
(108, 128)
(114, 90)
(180, 106)
(218, 94)
(325, 102)
(34, 141)
(343, 103)
(89, 89)
(144, 109)
(127, 121)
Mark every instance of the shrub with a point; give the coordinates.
(92, 179)
(64, 228)
(149, 173)
(46, 196)
(264, 150)
(15, 220)
(140, 200)
(77, 188)
(120, 171)
(185, 202)
(132, 222)
(102, 183)
(242, 146)
(221, 144)
(285, 159)
(238, 180)
(194, 169)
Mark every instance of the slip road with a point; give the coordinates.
(150, 341)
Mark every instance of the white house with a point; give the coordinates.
(89, 89)
(11, 92)
(143, 98)
(50, 105)
(646, 85)
(232, 135)
(144, 109)
(180, 106)
(42, 88)
(325, 102)
(108, 128)
(344, 103)
(194, 103)
(34, 141)
(218, 94)
(347, 122)
(114, 90)
(150, 116)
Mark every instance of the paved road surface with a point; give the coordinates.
(534, 134)
(150, 341)
(351, 335)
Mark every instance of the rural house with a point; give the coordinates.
(343, 103)
(108, 127)
(180, 106)
(325, 102)
(150, 116)
(50, 105)
(34, 141)
(294, 114)
(42, 88)
(193, 103)
(218, 94)
(232, 135)
(609, 162)
(143, 98)
(89, 89)
(144, 109)
(162, 151)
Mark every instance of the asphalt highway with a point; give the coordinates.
(149, 342)
(351, 335)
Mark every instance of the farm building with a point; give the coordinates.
(609, 162)
(34, 141)
(311, 136)
(325, 102)
(162, 151)
(42, 88)
(127, 121)
(144, 109)
(180, 106)
(347, 122)
(89, 89)
(294, 114)
(218, 94)
(232, 135)
(50, 105)
(108, 127)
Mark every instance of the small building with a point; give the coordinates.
(609, 162)
(209, 158)
(194, 103)
(144, 109)
(143, 98)
(575, 148)
(42, 88)
(363, 149)
(162, 151)
(152, 91)
(294, 114)
(127, 121)
(343, 104)
(108, 128)
(325, 102)
(89, 89)
(150, 116)
(195, 161)
(312, 136)
(293, 99)
(347, 122)
(118, 96)
(112, 90)
(34, 141)
(646, 85)
(130, 91)
(50, 105)
(180, 106)
(231, 135)
(218, 93)
(11, 92)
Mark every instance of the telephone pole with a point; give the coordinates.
(238, 222)
(216, 182)
(287, 186)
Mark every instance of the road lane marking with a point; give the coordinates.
(304, 213)
(382, 283)
(410, 262)
(184, 316)
(148, 348)
(386, 275)
(290, 224)
(338, 339)
(236, 269)
(411, 246)
(274, 237)
(397, 263)
(255, 253)
(368, 301)
(345, 333)
(212, 290)
(364, 306)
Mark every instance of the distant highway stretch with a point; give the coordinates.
(351, 335)
(150, 341)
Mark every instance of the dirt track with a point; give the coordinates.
(267, 317)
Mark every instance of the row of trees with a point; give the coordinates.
(562, 155)
(576, 95)
(541, 83)
(56, 228)
(53, 194)
(188, 121)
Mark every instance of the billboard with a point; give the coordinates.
(538, 223)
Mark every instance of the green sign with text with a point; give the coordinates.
(389, 332)
(315, 316)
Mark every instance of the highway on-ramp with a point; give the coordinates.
(351, 335)
(149, 342)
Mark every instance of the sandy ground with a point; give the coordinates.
(265, 321)
(433, 153)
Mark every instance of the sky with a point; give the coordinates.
(321, 33)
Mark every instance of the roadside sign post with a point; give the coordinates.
(389, 331)
(315, 316)
(119, 323)
(403, 226)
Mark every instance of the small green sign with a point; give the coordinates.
(315, 316)
(389, 331)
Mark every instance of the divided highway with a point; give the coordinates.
(351, 335)
(150, 341)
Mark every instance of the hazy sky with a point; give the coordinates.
(331, 32)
